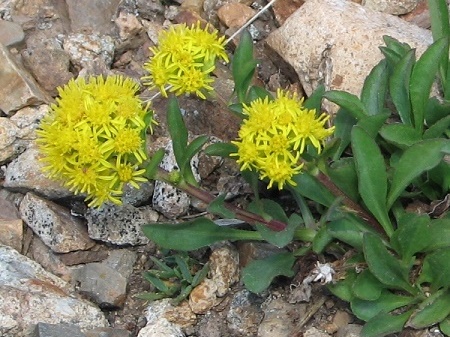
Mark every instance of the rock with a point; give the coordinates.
(120, 225)
(47, 61)
(12, 33)
(102, 284)
(212, 324)
(314, 332)
(168, 200)
(83, 257)
(8, 210)
(245, 314)
(27, 120)
(8, 134)
(419, 16)
(59, 230)
(149, 9)
(203, 297)
(93, 53)
(224, 268)
(57, 330)
(129, 26)
(107, 332)
(235, 14)
(122, 261)
(138, 196)
(11, 233)
(349, 330)
(395, 7)
(87, 16)
(181, 315)
(210, 8)
(157, 324)
(17, 88)
(340, 321)
(24, 282)
(282, 9)
(251, 250)
(24, 174)
(341, 51)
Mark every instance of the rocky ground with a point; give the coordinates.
(68, 270)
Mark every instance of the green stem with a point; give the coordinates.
(353, 206)
(207, 198)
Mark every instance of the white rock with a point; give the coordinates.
(395, 7)
(336, 42)
(224, 268)
(54, 224)
(29, 295)
(157, 324)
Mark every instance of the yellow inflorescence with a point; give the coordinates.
(275, 134)
(184, 59)
(93, 137)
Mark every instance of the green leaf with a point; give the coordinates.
(348, 230)
(411, 235)
(367, 287)
(343, 173)
(422, 78)
(400, 135)
(373, 124)
(243, 66)
(372, 177)
(321, 240)
(314, 101)
(191, 150)
(218, 207)
(256, 92)
(343, 122)
(194, 234)
(366, 310)
(220, 149)
(343, 288)
(384, 266)
(409, 167)
(444, 326)
(436, 110)
(200, 275)
(400, 48)
(152, 166)
(258, 274)
(431, 311)
(399, 86)
(439, 234)
(184, 268)
(157, 283)
(436, 269)
(373, 94)
(309, 187)
(349, 102)
(177, 129)
(437, 129)
(384, 324)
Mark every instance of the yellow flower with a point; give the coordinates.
(274, 135)
(92, 138)
(184, 60)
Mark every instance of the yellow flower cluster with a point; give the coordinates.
(275, 134)
(184, 59)
(93, 137)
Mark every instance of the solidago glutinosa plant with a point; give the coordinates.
(383, 150)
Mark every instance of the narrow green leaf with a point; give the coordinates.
(373, 94)
(367, 287)
(431, 311)
(444, 326)
(372, 177)
(157, 283)
(366, 310)
(152, 166)
(200, 275)
(344, 123)
(243, 66)
(391, 56)
(177, 129)
(401, 48)
(321, 240)
(343, 288)
(217, 207)
(439, 234)
(194, 234)
(436, 269)
(384, 324)
(410, 167)
(399, 86)
(309, 187)
(373, 124)
(314, 101)
(190, 151)
(220, 149)
(436, 110)
(348, 101)
(422, 78)
(437, 129)
(400, 135)
(184, 268)
(256, 92)
(348, 230)
(147, 296)
(161, 265)
(384, 266)
(258, 274)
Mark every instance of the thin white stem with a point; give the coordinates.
(249, 22)
(158, 94)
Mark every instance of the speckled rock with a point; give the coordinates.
(181, 315)
(314, 332)
(93, 53)
(12, 33)
(120, 225)
(168, 200)
(29, 295)
(11, 233)
(157, 324)
(17, 87)
(235, 14)
(224, 268)
(341, 51)
(24, 174)
(54, 225)
(203, 297)
(395, 7)
(245, 314)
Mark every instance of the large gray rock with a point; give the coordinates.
(29, 295)
(336, 42)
